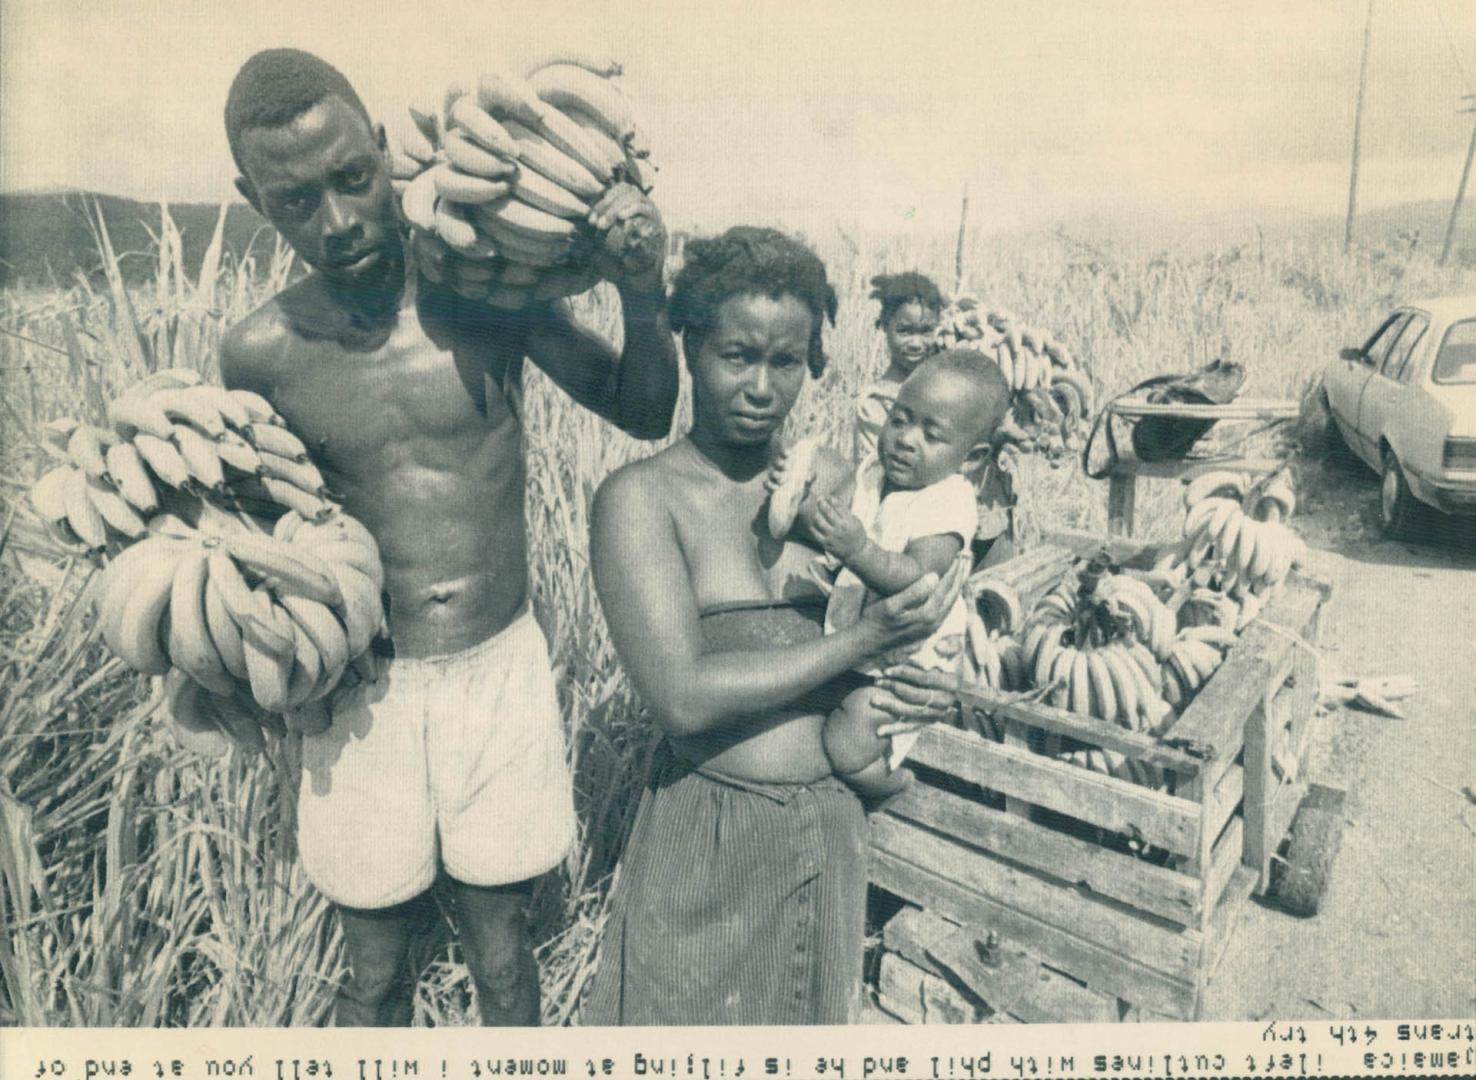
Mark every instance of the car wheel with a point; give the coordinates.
(1398, 508)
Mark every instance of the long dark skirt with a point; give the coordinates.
(737, 903)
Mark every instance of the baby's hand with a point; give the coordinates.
(838, 530)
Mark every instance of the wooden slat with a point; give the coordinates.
(1122, 501)
(1163, 947)
(1035, 714)
(1221, 926)
(1098, 967)
(1259, 783)
(1018, 984)
(1162, 820)
(918, 997)
(1224, 801)
(1154, 889)
(1242, 409)
(1120, 549)
(1029, 574)
(1222, 863)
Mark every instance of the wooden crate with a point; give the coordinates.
(996, 839)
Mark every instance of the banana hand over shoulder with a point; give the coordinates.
(82, 515)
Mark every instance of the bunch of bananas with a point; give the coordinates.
(1196, 654)
(170, 433)
(229, 571)
(1051, 406)
(280, 614)
(499, 183)
(1235, 533)
(994, 658)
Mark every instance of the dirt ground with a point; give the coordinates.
(1397, 933)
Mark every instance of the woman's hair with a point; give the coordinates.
(747, 260)
(894, 290)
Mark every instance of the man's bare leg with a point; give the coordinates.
(380, 988)
(493, 925)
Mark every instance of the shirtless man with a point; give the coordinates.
(453, 759)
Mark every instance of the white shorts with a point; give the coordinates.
(454, 760)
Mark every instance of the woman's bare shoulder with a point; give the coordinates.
(644, 481)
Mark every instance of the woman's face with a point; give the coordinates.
(909, 333)
(748, 372)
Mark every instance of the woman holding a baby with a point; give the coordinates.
(776, 668)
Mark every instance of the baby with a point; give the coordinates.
(912, 512)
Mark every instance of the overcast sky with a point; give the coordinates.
(799, 112)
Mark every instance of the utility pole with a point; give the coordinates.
(1358, 129)
(1455, 209)
(958, 253)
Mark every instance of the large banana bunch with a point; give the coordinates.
(170, 434)
(252, 619)
(177, 495)
(499, 183)
(1235, 533)
(1051, 406)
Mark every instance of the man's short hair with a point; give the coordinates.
(275, 87)
(986, 383)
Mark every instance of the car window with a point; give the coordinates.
(1409, 337)
(1378, 346)
(1456, 361)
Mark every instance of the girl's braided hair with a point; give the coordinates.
(748, 260)
(894, 290)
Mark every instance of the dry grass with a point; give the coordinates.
(139, 886)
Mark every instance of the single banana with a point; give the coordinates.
(114, 509)
(135, 637)
(1069, 376)
(540, 254)
(785, 500)
(290, 569)
(480, 144)
(224, 631)
(277, 440)
(568, 86)
(1006, 364)
(164, 458)
(302, 474)
(600, 64)
(1060, 677)
(1227, 536)
(505, 97)
(466, 189)
(48, 494)
(1079, 683)
(521, 219)
(134, 413)
(191, 648)
(1221, 482)
(321, 625)
(617, 156)
(257, 407)
(1103, 694)
(1124, 685)
(1245, 545)
(200, 457)
(540, 155)
(1147, 664)
(239, 454)
(1204, 656)
(539, 191)
(242, 603)
(268, 669)
(85, 450)
(82, 515)
(1222, 513)
(126, 467)
(307, 669)
(341, 526)
(185, 405)
(362, 609)
(1278, 498)
(418, 201)
(1202, 513)
(293, 497)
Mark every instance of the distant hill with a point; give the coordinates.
(45, 239)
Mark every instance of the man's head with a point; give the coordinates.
(944, 419)
(313, 164)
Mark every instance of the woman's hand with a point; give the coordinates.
(917, 610)
(915, 696)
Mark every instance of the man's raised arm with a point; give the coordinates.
(636, 391)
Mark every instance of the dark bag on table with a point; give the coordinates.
(1166, 438)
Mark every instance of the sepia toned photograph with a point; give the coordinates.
(773, 515)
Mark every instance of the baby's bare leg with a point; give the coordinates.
(856, 752)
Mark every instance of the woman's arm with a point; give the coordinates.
(646, 593)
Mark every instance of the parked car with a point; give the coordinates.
(1405, 402)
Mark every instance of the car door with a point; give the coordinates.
(1384, 405)
(1346, 378)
